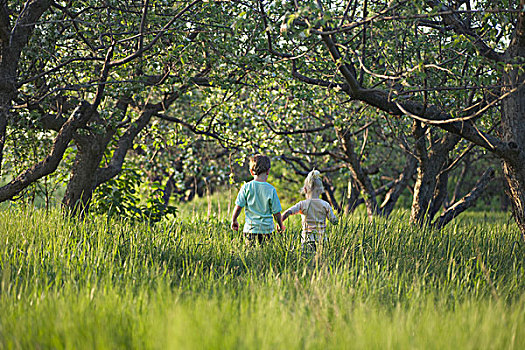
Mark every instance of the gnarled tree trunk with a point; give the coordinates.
(14, 37)
(400, 184)
(513, 130)
(358, 173)
(430, 183)
(352, 196)
(82, 182)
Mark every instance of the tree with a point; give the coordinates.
(89, 78)
(311, 128)
(97, 74)
(445, 65)
(327, 140)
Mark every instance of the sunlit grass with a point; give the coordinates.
(191, 282)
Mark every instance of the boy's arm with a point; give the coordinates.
(236, 212)
(278, 218)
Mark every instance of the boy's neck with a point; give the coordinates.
(261, 177)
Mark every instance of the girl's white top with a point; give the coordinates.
(314, 213)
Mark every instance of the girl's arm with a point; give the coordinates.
(286, 214)
(331, 216)
(292, 211)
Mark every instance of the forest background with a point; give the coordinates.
(125, 112)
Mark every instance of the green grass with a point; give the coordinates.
(192, 283)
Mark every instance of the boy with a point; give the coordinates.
(260, 201)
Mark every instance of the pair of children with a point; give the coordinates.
(262, 206)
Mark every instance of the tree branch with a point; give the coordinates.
(125, 142)
(295, 132)
(78, 118)
(428, 114)
(143, 49)
(467, 201)
(25, 24)
(518, 38)
(313, 81)
(460, 28)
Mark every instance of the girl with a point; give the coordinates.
(314, 211)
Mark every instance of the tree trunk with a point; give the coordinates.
(351, 196)
(4, 112)
(427, 195)
(514, 168)
(329, 190)
(399, 186)
(358, 173)
(440, 193)
(513, 123)
(423, 190)
(83, 181)
(8, 74)
(168, 190)
(459, 183)
(424, 180)
(504, 202)
(86, 174)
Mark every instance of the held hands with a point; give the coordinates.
(235, 226)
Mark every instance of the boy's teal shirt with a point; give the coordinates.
(260, 202)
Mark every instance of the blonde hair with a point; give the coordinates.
(260, 164)
(313, 182)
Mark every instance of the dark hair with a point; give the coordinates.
(260, 164)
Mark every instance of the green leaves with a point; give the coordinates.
(127, 196)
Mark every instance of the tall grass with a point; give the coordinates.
(193, 283)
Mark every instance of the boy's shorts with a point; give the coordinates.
(257, 237)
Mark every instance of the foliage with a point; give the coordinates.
(127, 197)
(236, 71)
(126, 59)
(24, 147)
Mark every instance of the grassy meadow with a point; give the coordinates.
(191, 283)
